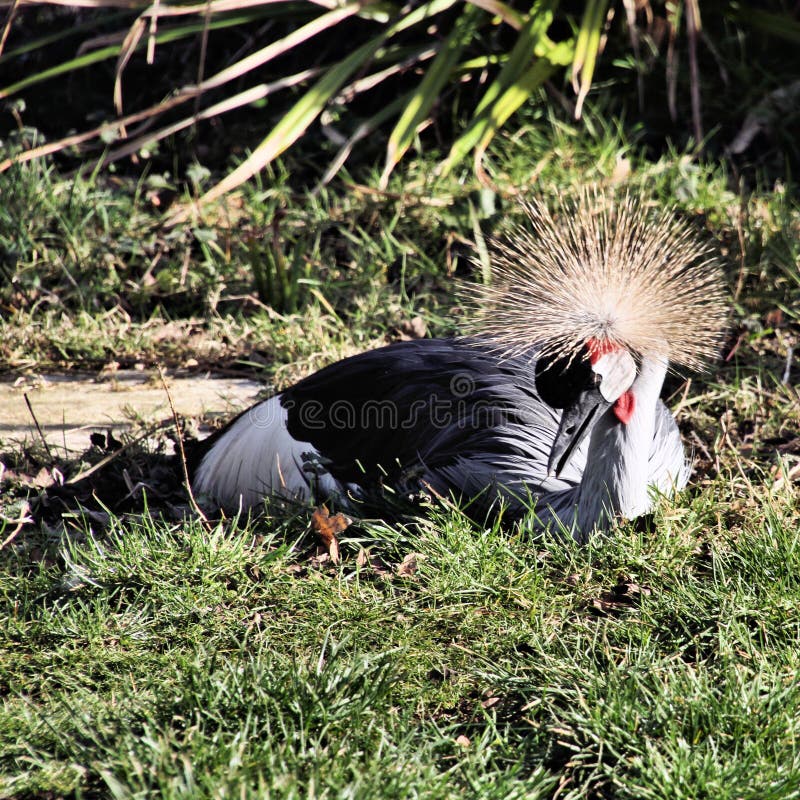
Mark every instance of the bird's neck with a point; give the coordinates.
(615, 481)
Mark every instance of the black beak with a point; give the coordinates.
(575, 424)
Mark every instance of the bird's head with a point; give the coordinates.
(603, 273)
(585, 386)
(593, 290)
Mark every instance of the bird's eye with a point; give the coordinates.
(559, 381)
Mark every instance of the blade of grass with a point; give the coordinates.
(59, 36)
(586, 49)
(303, 34)
(233, 72)
(512, 99)
(292, 125)
(129, 46)
(130, 4)
(361, 132)
(12, 13)
(239, 100)
(782, 26)
(371, 81)
(532, 41)
(426, 94)
(95, 57)
(509, 15)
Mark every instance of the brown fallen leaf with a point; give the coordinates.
(412, 329)
(44, 478)
(624, 595)
(774, 318)
(368, 561)
(628, 591)
(603, 607)
(409, 565)
(327, 526)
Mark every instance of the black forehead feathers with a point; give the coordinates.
(559, 381)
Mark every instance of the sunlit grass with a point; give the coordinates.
(144, 656)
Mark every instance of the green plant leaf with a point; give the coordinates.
(296, 121)
(96, 56)
(516, 71)
(513, 98)
(33, 45)
(587, 48)
(226, 105)
(426, 94)
(361, 132)
(509, 15)
(782, 26)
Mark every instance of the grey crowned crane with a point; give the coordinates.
(552, 404)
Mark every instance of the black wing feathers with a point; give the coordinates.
(380, 412)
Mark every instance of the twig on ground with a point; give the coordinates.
(179, 439)
(112, 456)
(699, 442)
(38, 427)
(20, 521)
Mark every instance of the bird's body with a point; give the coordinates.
(442, 417)
(577, 431)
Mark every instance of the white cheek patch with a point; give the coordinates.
(617, 371)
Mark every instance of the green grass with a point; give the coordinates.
(145, 655)
(187, 662)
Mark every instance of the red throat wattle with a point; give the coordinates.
(624, 407)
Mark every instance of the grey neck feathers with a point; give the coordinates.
(615, 481)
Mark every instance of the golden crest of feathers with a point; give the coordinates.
(608, 269)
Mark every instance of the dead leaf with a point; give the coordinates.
(604, 607)
(409, 565)
(43, 479)
(367, 561)
(413, 329)
(774, 318)
(622, 596)
(327, 526)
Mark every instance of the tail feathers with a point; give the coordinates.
(256, 457)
